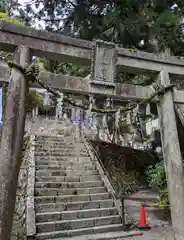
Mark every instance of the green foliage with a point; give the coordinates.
(5, 17)
(34, 98)
(156, 177)
(64, 68)
(6, 56)
(157, 180)
(124, 22)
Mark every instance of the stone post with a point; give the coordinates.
(172, 157)
(117, 132)
(89, 114)
(59, 107)
(78, 120)
(73, 117)
(12, 141)
(47, 101)
(107, 104)
(35, 112)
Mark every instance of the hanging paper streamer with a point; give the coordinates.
(1, 104)
(128, 118)
(148, 109)
(138, 125)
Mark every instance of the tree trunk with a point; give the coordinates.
(12, 142)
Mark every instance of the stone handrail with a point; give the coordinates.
(30, 213)
(104, 175)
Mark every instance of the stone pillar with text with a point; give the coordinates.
(103, 69)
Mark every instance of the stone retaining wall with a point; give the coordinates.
(19, 223)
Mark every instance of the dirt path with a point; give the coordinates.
(156, 219)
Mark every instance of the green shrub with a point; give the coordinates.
(156, 177)
(157, 181)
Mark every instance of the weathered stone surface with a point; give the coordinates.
(139, 61)
(79, 232)
(77, 223)
(30, 214)
(51, 45)
(69, 184)
(103, 63)
(70, 197)
(172, 157)
(69, 191)
(69, 179)
(20, 218)
(83, 86)
(69, 206)
(66, 173)
(71, 215)
(44, 44)
(109, 236)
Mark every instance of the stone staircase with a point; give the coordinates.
(71, 200)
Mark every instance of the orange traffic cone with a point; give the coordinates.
(142, 218)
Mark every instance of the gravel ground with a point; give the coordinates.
(160, 224)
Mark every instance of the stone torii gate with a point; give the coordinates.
(106, 60)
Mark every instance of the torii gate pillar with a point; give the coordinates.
(172, 157)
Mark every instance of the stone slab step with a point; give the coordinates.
(58, 152)
(68, 167)
(68, 179)
(87, 184)
(77, 223)
(61, 153)
(60, 144)
(119, 235)
(53, 141)
(66, 173)
(78, 232)
(45, 142)
(68, 191)
(68, 206)
(63, 161)
(61, 149)
(71, 215)
(62, 158)
(66, 164)
(72, 198)
(46, 137)
(54, 147)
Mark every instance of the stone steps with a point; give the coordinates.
(70, 198)
(66, 167)
(68, 191)
(77, 214)
(54, 142)
(66, 173)
(68, 206)
(77, 223)
(62, 158)
(54, 147)
(78, 232)
(119, 235)
(61, 153)
(68, 179)
(63, 162)
(86, 184)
